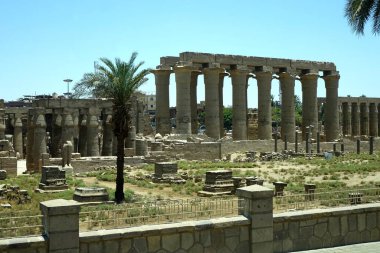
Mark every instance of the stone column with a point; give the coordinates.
(30, 141)
(193, 102)
(92, 133)
(75, 115)
(258, 207)
(39, 140)
(2, 124)
(82, 145)
(346, 108)
(61, 225)
(212, 95)
(162, 79)
(67, 127)
(355, 119)
(183, 73)
(331, 108)
(56, 135)
(17, 136)
(373, 120)
(140, 116)
(107, 132)
(288, 122)
(264, 83)
(239, 78)
(309, 103)
(378, 118)
(363, 119)
(221, 107)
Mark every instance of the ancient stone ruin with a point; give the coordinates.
(167, 172)
(218, 182)
(53, 178)
(90, 194)
(13, 193)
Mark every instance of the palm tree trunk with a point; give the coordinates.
(119, 193)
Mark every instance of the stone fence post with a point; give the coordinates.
(61, 225)
(258, 207)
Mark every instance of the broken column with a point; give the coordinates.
(373, 120)
(288, 123)
(309, 103)
(331, 108)
(212, 113)
(183, 72)
(162, 80)
(239, 78)
(264, 82)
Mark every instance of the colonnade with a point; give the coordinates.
(360, 118)
(186, 83)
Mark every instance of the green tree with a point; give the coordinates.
(227, 115)
(359, 12)
(118, 81)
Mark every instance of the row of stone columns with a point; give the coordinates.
(360, 119)
(186, 117)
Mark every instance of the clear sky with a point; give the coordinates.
(43, 42)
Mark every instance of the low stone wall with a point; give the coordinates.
(9, 164)
(197, 151)
(223, 235)
(321, 228)
(36, 244)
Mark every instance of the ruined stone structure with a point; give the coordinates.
(214, 67)
(358, 116)
(53, 178)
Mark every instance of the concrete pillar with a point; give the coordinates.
(183, 73)
(288, 122)
(17, 136)
(331, 107)
(39, 140)
(258, 207)
(364, 119)
(61, 225)
(373, 120)
(239, 103)
(346, 118)
(2, 124)
(82, 145)
(193, 102)
(56, 135)
(309, 103)
(107, 133)
(162, 79)
(92, 133)
(67, 127)
(264, 83)
(221, 107)
(212, 96)
(355, 119)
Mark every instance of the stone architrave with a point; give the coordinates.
(239, 78)
(309, 103)
(288, 124)
(183, 72)
(346, 119)
(162, 80)
(221, 107)
(364, 119)
(17, 136)
(355, 119)
(331, 108)
(107, 133)
(212, 103)
(264, 83)
(373, 120)
(193, 101)
(92, 133)
(39, 144)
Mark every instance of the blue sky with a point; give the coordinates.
(43, 42)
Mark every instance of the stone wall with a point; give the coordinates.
(9, 164)
(197, 151)
(223, 235)
(321, 228)
(35, 244)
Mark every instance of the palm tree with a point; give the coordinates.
(358, 12)
(117, 81)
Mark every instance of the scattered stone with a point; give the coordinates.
(90, 194)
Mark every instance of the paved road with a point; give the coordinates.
(371, 247)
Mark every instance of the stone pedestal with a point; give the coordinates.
(279, 188)
(90, 194)
(264, 82)
(162, 80)
(288, 123)
(218, 182)
(331, 108)
(53, 178)
(239, 103)
(309, 103)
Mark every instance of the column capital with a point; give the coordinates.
(240, 70)
(331, 76)
(287, 75)
(309, 76)
(217, 70)
(262, 75)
